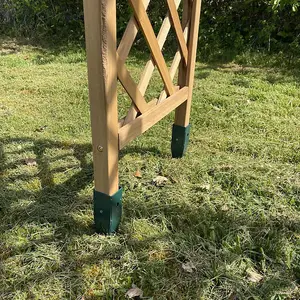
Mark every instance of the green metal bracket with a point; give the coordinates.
(180, 140)
(107, 211)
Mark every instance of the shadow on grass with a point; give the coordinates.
(222, 243)
(54, 204)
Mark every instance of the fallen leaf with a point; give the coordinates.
(188, 267)
(226, 167)
(225, 208)
(138, 174)
(134, 292)
(217, 108)
(253, 276)
(26, 92)
(205, 187)
(160, 181)
(31, 162)
(41, 129)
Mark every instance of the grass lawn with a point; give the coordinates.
(225, 226)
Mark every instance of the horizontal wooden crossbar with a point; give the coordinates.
(132, 130)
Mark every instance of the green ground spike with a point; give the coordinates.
(180, 140)
(107, 212)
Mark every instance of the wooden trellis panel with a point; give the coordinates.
(106, 65)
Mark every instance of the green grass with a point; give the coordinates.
(231, 206)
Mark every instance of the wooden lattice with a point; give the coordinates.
(106, 65)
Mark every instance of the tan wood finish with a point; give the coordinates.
(150, 66)
(178, 29)
(182, 116)
(129, 36)
(186, 15)
(174, 67)
(161, 39)
(100, 25)
(131, 87)
(130, 131)
(146, 27)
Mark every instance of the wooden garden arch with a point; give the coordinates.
(106, 65)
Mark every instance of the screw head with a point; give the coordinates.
(100, 148)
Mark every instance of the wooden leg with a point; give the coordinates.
(100, 28)
(181, 128)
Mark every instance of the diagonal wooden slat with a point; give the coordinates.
(175, 64)
(129, 36)
(178, 29)
(145, 24)
(125, 45)
(161, 39)
(163, 96)
(150, 66)
(131, 87)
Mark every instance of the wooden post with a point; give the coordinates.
(181, 128)
(100, 28)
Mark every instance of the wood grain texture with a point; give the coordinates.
(174, 67)
(130, 131)
(182, 116)
(100, 28)
(131, 87)
(129, 36)
(150, 66)
(146, 27)
(178, 30)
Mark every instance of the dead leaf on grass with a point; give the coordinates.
(26, 92)
(138, 174)
(205, 187)
(253, 276)
(134, 292)
(216, 108)
(225, 207)
(188, 267)
(160, 181)
(226, 167)
(31, 162)
(41, 129)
